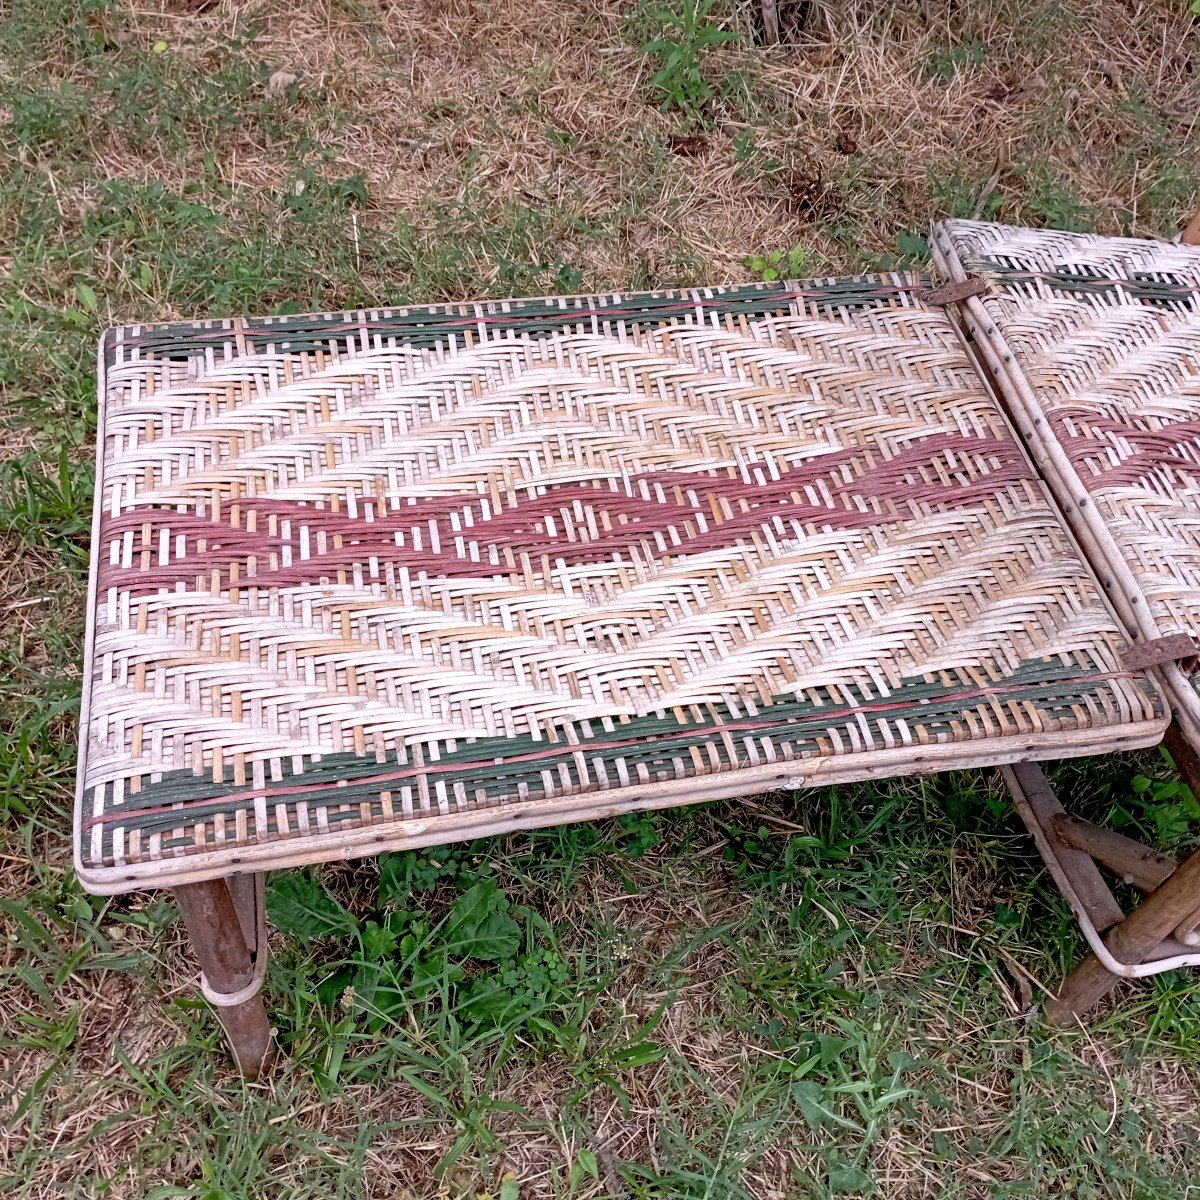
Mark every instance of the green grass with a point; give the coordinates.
(703, 1003)
(843, 996)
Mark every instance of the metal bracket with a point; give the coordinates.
(956, 290)
(1153, 653)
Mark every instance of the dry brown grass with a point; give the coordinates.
(449, 104)
(978, 1058)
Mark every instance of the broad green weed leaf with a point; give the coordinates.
(298, 904)
(377, 941)
(586, 1166)
(846, 1177)
(809, 1096)
(479, 925)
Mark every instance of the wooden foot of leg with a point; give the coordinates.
(223, 948)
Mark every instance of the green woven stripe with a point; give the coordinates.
(428, 327)
(656, 742)
(1155, 289)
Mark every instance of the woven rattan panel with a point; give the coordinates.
(380, 579)
(1104, 338)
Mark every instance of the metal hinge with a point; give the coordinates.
(1157, 651)
(956, 290)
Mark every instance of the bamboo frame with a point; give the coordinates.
(255, 699)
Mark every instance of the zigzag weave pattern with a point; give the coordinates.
(363, 569)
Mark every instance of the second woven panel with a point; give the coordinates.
(1095, 344)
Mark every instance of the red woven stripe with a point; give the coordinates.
(1088, 436)
(662, 513)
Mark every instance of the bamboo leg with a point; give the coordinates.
(1133, 941)
(243, 891)
(220, 945)
(1184, 756)
(1146, 869)
(1039, 808)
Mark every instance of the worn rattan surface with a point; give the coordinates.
(387, 578)
(1104, 335)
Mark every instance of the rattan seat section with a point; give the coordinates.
(1096, 341)
(388, 578)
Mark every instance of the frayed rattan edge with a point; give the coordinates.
(416, 832)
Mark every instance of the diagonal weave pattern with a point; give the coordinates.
(1105, 334)
(382, 578)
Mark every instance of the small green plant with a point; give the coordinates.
(744, 148)
(495, 966)
(960, 195)
(912, 247)
(48, 507)
(1051, 202)
(685, 37)
(638, 833)
(778, 263)
(1171, 807)
(751, 161)
(945, 64)
(606, 1063)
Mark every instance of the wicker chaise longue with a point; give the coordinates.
(378, 580)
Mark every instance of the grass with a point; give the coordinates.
(828, 994)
